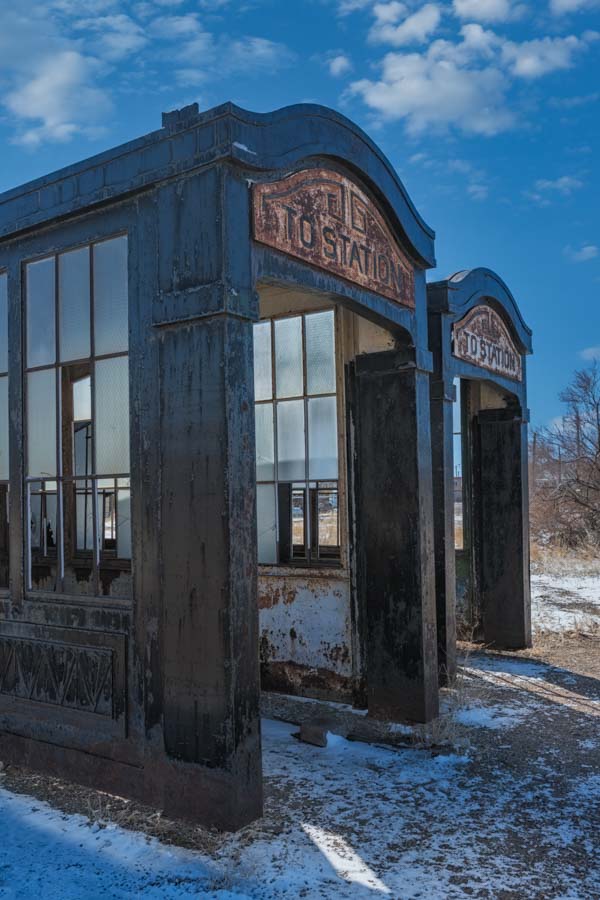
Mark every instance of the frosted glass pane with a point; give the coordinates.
(328, 523)
(111, 319)
(82, 399)
(35, 510)
(265, 449)
(320, 353)
(266, 523)
(456, 410)
(263, 372)
(50, 521)
(457, 442)
(41, 332)
(322, 438)
(4, 428)
(41, 423)
(84, 516)
(3, 323)
(74, 304)
(124, 525)
(290, 440)
(288, 357)
(82, 449)
(111, 420)
(298, 517)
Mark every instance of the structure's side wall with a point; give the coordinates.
(306, 634)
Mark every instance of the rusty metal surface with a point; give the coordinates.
(324, 218)
(482, 339)
(306, 634)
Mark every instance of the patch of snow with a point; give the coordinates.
(565, 602)
(494, 717)
(243, 147)
(350, 821)
(508, 665)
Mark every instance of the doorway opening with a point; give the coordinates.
(309, 625)
(488, 513)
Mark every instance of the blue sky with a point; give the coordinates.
(489, 109)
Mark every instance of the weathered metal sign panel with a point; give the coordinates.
(483, 340)
(324, 218)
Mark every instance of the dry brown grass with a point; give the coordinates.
(463, 690)
(559, 560)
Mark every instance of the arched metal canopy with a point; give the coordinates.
(458, 294)
(189, 139)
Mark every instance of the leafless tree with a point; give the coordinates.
(565, 466)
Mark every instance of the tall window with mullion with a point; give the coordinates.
(77, 420)
(297, 469)
(4, 547)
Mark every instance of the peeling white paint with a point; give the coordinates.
(310, 623)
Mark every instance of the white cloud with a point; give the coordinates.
(252, 53)
(117, 37)
(175, 27)
(590, 353)
(564, 185)
(478, 191)
(584, 254)
(345, 7)
(487, 10)
(545, 189)
(414, 29)
(389, 13)
(562, 7)
(339, 65)
(476, 180)
(531, 59)
(59, 98)
(204, 57)
(449, 84)
(466, 81)
(55, 57)
(574, 102)
(49, 82)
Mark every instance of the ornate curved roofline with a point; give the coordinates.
(190, 140)
(467, 288)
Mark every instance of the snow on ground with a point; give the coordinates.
(514, 815)
(565, 602)
(494, 717)
(351, 820)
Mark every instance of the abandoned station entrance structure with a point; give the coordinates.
(226, 450)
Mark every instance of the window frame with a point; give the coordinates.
(98, 558)
(5, 482)
(314, 557)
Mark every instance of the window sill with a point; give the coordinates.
(120, 603)
(338, 572)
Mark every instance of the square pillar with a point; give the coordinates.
(391, 467)
(503, 539)
(202, 674)
(442, 454)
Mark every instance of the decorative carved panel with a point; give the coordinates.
(75, 677)
(326, 219)
(482, 339)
